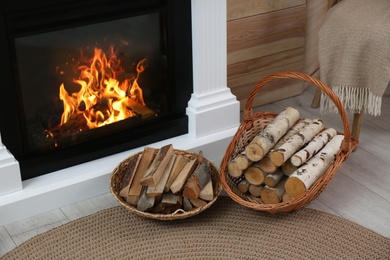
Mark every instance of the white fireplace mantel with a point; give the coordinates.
(213, 113)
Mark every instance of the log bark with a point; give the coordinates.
(272, 179)
(295, 142)
(129, 176)
(270, 135)
(198, 179)
(136, 187)
(254, 175)
(159, 188)
(183, 176)
(187, 205)
(306, 175)
(316, 144)
(179, 164)
(145, 202)
(156, 169)
(273, 195)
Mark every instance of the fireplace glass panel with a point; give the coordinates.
(89, 81)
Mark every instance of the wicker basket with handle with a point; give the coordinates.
(253, 123)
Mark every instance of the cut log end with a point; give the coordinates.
(294, 187)
(277, 158)
(254, 152)
(296, 160)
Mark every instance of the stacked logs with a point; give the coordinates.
(162, 181)
(285, 159)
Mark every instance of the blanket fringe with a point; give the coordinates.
(354, 99)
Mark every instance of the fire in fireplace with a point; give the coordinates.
(82, 79)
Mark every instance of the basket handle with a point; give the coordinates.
(248, 111)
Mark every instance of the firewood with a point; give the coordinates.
(170, 199)
(179, 164)
(255, 190)
(183, 176)
(129, 176)
(295, 142)
(266, 165)
(159, 188)
(316, 144)
(254, 175)
(145, 202)
(288, 168)
(306, 175)
(273, 195)
(267, 138)
(156, 169)
(233, 169)
(187, 205)
(198, 179)
(198, 202)
(272, 179)
(207, 193)
(286, 197)
(243, 185)
(136, 187)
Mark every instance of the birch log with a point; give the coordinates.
(306, 175)
(265, 164)
(273, 195)
(254, 175)
(270, 135)
(313, 147)
(272, 179)
(288, 168)
(297, 141)
(238, 164)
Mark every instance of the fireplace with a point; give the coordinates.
(213, 116)
(83, 80)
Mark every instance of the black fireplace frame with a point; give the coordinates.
(69, 13)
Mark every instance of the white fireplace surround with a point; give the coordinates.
(213, 113)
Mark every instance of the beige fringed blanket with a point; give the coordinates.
(354, 54)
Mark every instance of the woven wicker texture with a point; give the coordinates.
(116, 185)
(253, 123)
(224, 231)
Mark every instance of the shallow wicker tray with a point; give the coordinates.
(253, 123)
(120, 171)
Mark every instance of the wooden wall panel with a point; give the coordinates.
(259, 44)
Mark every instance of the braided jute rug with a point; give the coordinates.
(226, 230)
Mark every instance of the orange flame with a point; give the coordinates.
(102, 99)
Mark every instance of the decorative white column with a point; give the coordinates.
(9, 172)
(212, 106)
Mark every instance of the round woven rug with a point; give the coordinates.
(226, 230)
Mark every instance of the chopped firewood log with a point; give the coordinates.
(198, 202)
(129, 176)
(136, 187)
(233, 169)
(267, 138)
(265, 164)
(243, 185)
(207, 193)
(272, 179)
(295, 142)
(145, 202)
(254, 175)
(159, 188)
(255, 190)
(183, 176)
(316, 144)
(179, 164)
(306, 175)
(286, 197)
(198, 179)
(156, 169)
(170, 199)
(273, 195)
(288, 168)
(187, 205)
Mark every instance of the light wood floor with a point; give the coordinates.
(359, 192)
